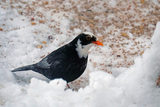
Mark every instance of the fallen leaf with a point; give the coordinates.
(124, 34)
(91, 25)
(32, 19)
(50, 37)
(118, 55)
(83, 18)
(1, 29)
(44, 42)
(41, 21)
(142, 1)
(137, 32)
(142, 52)
(39, 46)
(143, 19)
(158, 81)
(46, 2)
(91, 21)
(111, 45)
(42, 56)
(33, 23)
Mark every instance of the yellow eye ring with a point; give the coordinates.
(88, 37)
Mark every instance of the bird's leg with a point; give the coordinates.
(68, 85)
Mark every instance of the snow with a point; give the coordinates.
(125, 87)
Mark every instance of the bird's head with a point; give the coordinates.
(84, 42)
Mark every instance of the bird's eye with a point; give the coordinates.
(88, 37)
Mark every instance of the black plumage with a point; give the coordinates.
(67, 62)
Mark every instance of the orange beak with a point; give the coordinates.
(98, 43)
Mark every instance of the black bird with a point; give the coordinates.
(68, 62)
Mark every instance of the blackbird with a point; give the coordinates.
(67, 62)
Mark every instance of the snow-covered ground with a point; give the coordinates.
(30, 30)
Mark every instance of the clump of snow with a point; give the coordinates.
(135, 86)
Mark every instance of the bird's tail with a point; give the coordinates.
(24, 68)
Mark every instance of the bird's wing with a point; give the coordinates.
(53, 59)
(44, 63)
